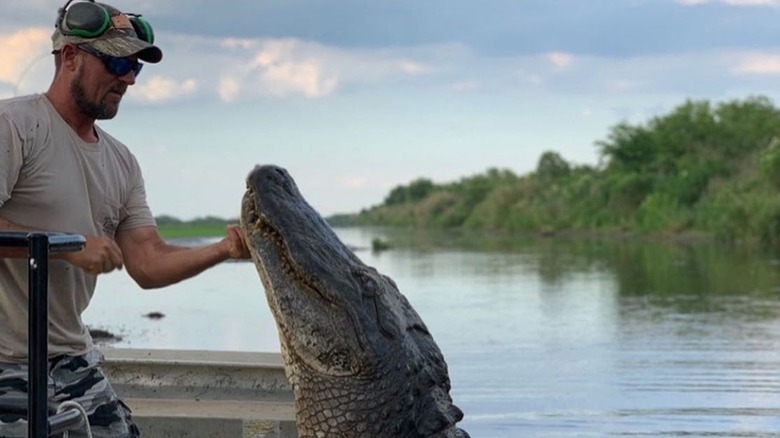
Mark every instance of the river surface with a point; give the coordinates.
(543, 337)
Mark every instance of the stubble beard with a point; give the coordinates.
(91, 109)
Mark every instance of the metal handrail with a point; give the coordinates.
(39, 245)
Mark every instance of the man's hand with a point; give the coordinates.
(100, 255)
(236, 243)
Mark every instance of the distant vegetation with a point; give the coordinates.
(210, 226)
(703, 168)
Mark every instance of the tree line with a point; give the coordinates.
(704, 167)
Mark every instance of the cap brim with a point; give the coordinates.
(122, 46)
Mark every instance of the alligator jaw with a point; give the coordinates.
(264, 233)
(304, 308)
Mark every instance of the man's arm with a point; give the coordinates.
(153, 263)
(100, 254)
(6, 225)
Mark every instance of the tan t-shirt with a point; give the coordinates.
(51, 180)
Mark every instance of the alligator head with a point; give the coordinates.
(359, 358)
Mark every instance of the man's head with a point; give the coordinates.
(100, 48)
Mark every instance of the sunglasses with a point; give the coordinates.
(115, 65)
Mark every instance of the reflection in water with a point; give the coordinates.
(543, 337)
(567, 337)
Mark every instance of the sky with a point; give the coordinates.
(356, 97)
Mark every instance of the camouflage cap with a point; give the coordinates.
(120, 39)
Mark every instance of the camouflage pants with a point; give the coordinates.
(76, 378)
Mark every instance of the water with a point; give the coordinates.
(543, 337)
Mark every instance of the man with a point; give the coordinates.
(61, 172)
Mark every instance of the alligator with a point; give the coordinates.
(359, 358)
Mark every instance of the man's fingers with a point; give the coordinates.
(239, 249)
(102, 255)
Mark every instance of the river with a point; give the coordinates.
(544, 337)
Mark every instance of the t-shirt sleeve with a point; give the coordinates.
(11, 157)
(137, 211)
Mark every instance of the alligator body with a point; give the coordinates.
(359, 358)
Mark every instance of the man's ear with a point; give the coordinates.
(69, 55)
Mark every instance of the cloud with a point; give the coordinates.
(533, 79)
(274, 68)
(560, 60)
(234, 70)
(489, 27)
(625, 86)
(750, 2)
(291, 67)
(757, 64)
(414, 68)
(228, 89)
(730, 2)
(466, 86)
(708, 73)
(161, 89)
(19, 51)
(283, 69)
(356, 182)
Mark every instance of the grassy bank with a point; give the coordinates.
(185, 231)
(173, 228)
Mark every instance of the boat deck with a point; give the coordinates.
(193, 394)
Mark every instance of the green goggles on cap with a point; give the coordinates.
(88, 19)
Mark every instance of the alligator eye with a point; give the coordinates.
(369, 285)
(281, 173)
(374, 294)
